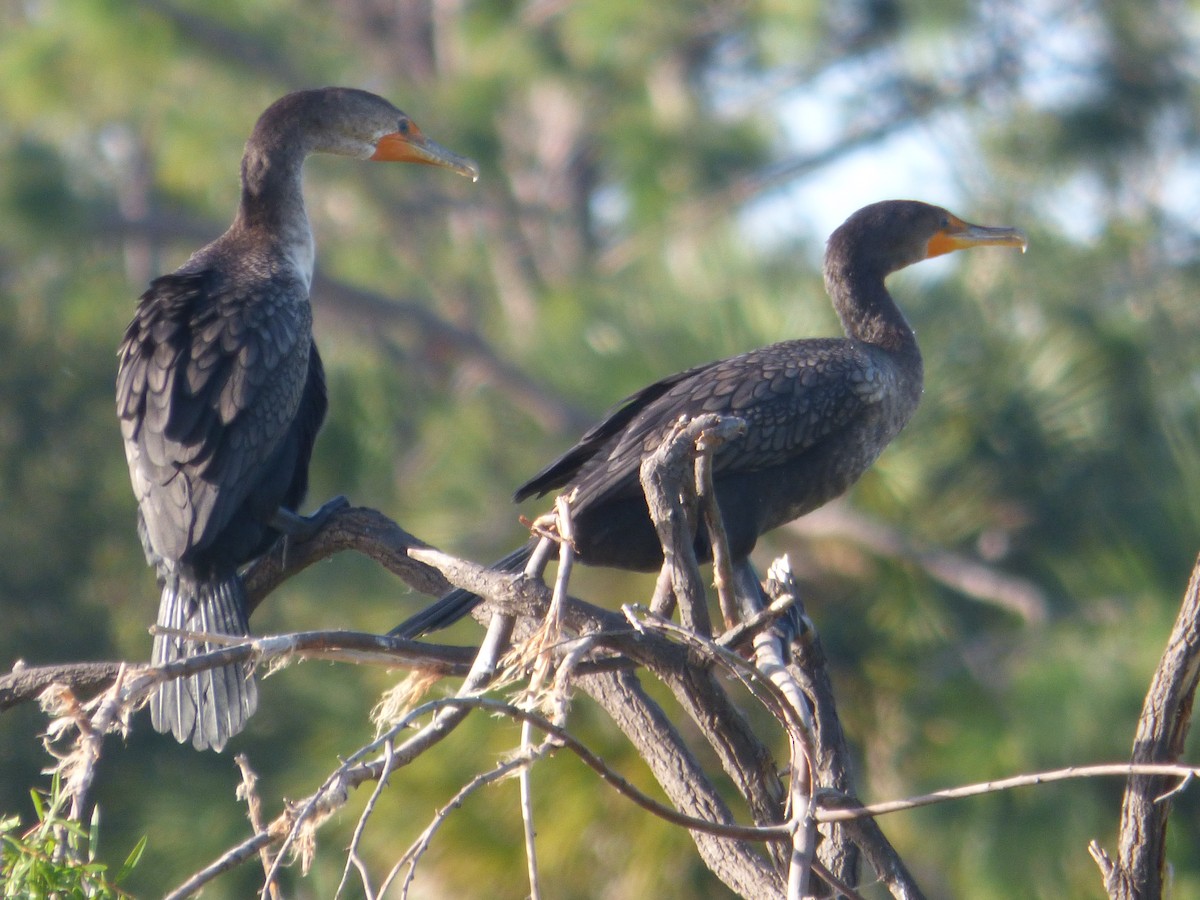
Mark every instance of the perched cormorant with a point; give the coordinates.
(220, 393)
(818, 412)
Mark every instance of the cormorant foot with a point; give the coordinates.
(300, 528)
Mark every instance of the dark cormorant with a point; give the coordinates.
(818, 412)
(220, 393)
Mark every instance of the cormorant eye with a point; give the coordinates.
(403, 127)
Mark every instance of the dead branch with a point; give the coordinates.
(840, 850)
(669, 481)
(770, 658)
(305, 818)
(683, 780)
(793, 686)
(413, 854)
(1137, 874)
(648, 727)
(248, 791)
(834, 810)
(665, 477)
(332, 794)
(361, 529)
(27, 683)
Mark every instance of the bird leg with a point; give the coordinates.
(294, 527)
(301, 528)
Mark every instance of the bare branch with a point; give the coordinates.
(522, 595)
(364, 530)
(831, 755)
(1161, 732)
(352, 856)
(229, 860)
(669, 478)
(334, 791)
(770, 658)
(25, 683)
(832, 811)
(248, 791)
(413, 854)
(666, 477)
(659, 743)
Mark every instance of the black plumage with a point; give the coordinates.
(818, 412)
(220, 393)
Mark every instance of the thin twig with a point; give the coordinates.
(762, 688)
(531, 864)
(333, 792)
(248, 791)
(659, 742)
(827, 811)
(228, 860)
(564, 739)
(360, 827)
(830, 812)
(417, 849)
(542, 643)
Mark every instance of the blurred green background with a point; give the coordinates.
(658, 181)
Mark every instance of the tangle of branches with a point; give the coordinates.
(545, 650)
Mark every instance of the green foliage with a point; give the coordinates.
(57, 856)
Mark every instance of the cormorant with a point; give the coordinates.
(220, 393)
(818, 411)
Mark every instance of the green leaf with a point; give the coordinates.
(131, 861)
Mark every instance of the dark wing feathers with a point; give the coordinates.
(792, 395)
(205, 390)
(563, 469)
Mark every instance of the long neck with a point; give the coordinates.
(867, 310)
(271, 185)
(272, 203)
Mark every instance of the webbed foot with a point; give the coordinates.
(296, 527)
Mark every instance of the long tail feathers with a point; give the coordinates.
(208, 707)
(453, 606)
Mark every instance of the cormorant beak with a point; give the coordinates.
(959, 235)
(412, 146)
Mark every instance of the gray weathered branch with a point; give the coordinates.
(1137, 873)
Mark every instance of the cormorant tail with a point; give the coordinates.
(208, 707)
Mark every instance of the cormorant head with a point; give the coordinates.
(890, 235)
(351, 122)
